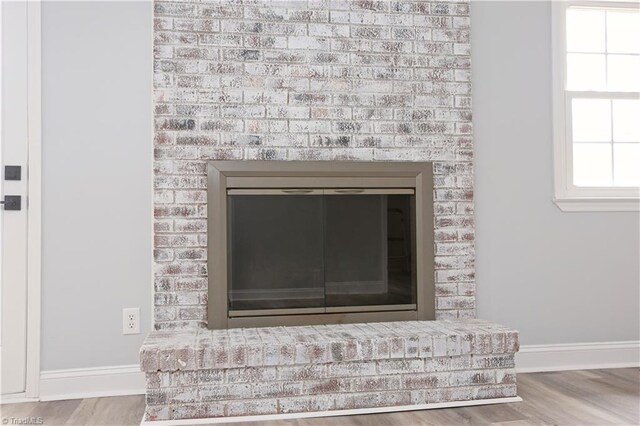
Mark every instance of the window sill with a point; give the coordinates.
(598, 204)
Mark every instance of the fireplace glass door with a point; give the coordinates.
(309, 251)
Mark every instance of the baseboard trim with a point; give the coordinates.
(333, 413)
(91, 382)
(578, 356)
(16, 398)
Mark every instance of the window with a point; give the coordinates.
(596, 105)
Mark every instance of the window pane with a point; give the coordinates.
(592, 164)
(585, 30)
(626, 120)
(591, 120)
(626, 164)
(623, 32)
(623, 72)
(586, 71)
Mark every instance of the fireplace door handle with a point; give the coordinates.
(349, 191)
(274, 191)
(297, 191)
(369, 191)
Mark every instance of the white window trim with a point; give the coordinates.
(568, 197)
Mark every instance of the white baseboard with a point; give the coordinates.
(16, 398)
(91, 382)
(578, 356)
(129, 380)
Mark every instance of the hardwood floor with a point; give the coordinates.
(588, 397)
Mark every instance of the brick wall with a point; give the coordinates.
(343, 80)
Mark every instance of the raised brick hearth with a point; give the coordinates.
(238, 372)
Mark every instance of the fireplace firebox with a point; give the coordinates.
(298, 243)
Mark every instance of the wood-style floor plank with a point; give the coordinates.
(52, 412)
(100, 411)
(589, 397)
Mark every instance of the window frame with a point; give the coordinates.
(567, 196)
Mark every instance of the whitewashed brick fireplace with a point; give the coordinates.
(312, 80)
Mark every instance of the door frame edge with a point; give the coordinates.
(34, 198)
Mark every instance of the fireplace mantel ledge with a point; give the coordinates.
(198, 348)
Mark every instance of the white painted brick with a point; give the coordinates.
(253, 82)
(220, 389)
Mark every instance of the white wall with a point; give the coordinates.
(96, 79)
(557, 277)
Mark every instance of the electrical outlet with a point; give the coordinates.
(131, 321)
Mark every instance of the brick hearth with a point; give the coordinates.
(212, 373)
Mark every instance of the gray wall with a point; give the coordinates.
(557, 277)
(96, 79)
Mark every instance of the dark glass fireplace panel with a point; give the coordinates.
(369, 250)
(320, 251)
(276, 247)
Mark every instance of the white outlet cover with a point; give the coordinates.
(131, 321)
